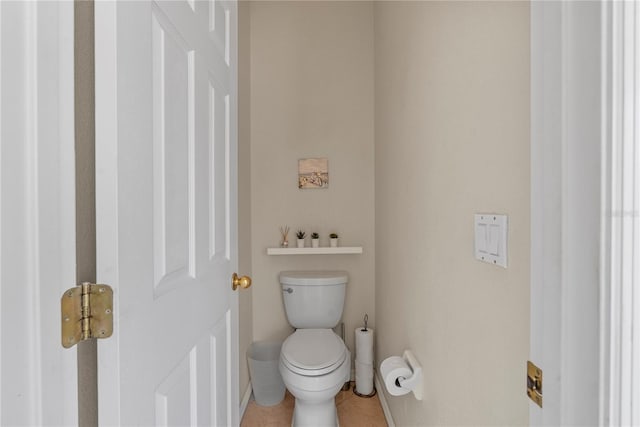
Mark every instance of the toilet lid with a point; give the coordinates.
(313, 351)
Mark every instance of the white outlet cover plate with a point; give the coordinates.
(491, 238)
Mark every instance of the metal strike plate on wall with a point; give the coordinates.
(87, 312)
(534, 383)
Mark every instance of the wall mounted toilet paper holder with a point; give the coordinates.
(414, 382)
(402, 375)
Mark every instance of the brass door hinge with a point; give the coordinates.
(87, 312)
(534, 383)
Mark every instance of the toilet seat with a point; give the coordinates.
(313, 352)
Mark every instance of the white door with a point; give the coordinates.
(166, 211)
(37, 212)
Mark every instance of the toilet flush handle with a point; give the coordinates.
(288, 290)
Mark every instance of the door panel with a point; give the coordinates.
(166, 228)
(173, 150)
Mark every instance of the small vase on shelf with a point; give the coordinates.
(315, 240)
(284, 231)
(300, 235)
(333, 240)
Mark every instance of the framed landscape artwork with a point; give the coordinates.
(313, 173)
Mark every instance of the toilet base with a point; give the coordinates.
(315, 403)
(315, 414)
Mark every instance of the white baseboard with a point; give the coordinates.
(383, 400)
(245, 400)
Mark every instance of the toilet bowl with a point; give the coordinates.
(314, 364)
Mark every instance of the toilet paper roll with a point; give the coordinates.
(391, 369)
(364, 370)
(364, 378)
(364, 345)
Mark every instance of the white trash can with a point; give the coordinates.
(266, 381)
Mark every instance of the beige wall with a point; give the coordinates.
(245, 297)
(311, 96)
(452, 139)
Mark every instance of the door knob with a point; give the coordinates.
(244, 282)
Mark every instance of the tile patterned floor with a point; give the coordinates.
(353, 411)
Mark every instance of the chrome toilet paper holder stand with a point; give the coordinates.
(414, 383)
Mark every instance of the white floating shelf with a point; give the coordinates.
(341, 250)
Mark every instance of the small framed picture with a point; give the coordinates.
(313, 173)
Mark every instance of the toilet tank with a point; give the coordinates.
(313, 299)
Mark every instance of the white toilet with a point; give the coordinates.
(314, 362)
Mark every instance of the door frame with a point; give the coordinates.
(37, 260)
(566, 130)
(620, 316)
(582, 255)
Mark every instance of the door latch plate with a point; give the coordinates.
(534, 383)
